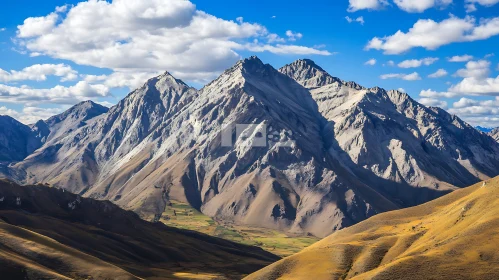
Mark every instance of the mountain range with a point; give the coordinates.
(453, 237)
(336, 154)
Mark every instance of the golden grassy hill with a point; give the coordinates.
(453, 237)
(51, 234)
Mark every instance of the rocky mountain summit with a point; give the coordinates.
(295, 149)
(17, 140)
(407, 151)
(495, 134)
(70, 120)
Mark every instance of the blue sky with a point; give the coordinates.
(74, 50)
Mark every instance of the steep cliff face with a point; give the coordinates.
(413, 150)
(164, 141)
(320, 153)
(17, 140)
(67, 122)
(495, 134)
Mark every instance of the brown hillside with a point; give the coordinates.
(453, 237)
(49, 233)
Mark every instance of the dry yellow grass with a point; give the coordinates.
(453, 237)
(46, 233)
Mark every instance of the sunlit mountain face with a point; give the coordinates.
(188, 139)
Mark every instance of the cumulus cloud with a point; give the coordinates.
(477, 112)
(148, 35)
(371, 62)
(35, 26)
(475, 82)
(439, 74)
(29, 114)
(433, 102)
(420, 6)
(471, 7)
(429, 34)
(356, 5)
(429, 93)
(408, 77)
(359, 20)
(293, 36)
(477, 86)
(414, 63)
(59, 94)
(460, 58)
(39, 72)
(475, 69)
(464, 102)
(121, 79)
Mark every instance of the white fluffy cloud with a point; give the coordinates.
(460, 58)
(36, 26)
(293, 36)
(419, 6)
(414, 63)
(429, 93)
(408, 77)
(431, 35)
(359, 20)
(39, 72)
(371, 62)
(439, 74)
(121, 79)
(59, 94)
(356, 5)
(475, 69)
(471, 7)
(477, 86)
(433, 102)
(148, 35)
(475, 82)
(484, 2)
(30, 115)
(478, 112)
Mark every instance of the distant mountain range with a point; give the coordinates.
(334, 153)
(453, 237)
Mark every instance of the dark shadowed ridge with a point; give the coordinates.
(60, 225)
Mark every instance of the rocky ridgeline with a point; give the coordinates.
(321, 153)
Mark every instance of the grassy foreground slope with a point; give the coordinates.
(453, 237)
(181, 215)
(46, 233)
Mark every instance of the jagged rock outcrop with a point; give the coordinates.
(405, 150)
(164, 141)
(495, 134)
(17, 140)
(68, 121)
(336, 153)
